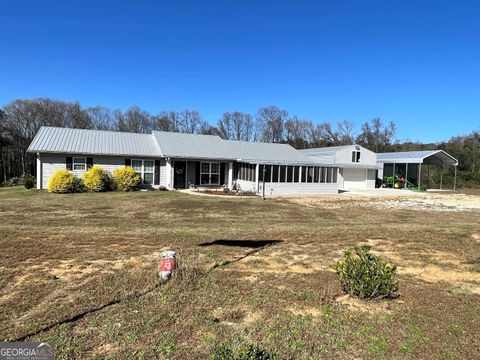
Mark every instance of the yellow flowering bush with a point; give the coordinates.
(62, 182)
(97, 179)
(126, 179)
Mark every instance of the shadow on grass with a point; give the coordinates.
(254, 244)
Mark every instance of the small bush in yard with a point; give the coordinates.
(366, 275)
(97, 179)
(245, 352)
(28, 182)
(126, 179)
(63, 181)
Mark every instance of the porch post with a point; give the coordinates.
(168, 174)
(39, 172)
(230, 175)
(257, 184)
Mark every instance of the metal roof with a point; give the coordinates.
(93, 142)
(265, 152)
(192, 146)
(163, 144)
(427, 157)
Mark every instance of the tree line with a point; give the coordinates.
(21, 119)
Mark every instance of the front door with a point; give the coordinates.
(179, 173)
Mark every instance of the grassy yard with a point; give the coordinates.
(98, 255)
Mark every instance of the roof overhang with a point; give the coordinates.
(434, 157)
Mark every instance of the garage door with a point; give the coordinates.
(354, 179)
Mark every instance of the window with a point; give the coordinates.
(275, 173)
(356, 156)
(310, 174)
(283, 173)
(146, 169)
(329, 175)
(268, 173)
(335, 170)
(315, 176)
(323, 174)
(296, 173)
(304, 174)
(209, 173)
(79, 163)
(290, 174)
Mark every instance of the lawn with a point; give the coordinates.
(83, 268)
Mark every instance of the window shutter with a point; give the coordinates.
(156, 181)
(69, 163)
(197, 173)
(222, 173)
(128, 162)
(89, 162)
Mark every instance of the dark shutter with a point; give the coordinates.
(157, 173)
(222, 173)
(128, 162)
(197, 173)
(89, 163)
(69, 163)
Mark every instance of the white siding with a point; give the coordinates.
(354, 178)
(371, 179)
(246, 185)
(344, 156)
(53, 162)
(277, 189)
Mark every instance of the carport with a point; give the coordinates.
(409, 165)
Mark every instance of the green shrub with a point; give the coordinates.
(126, 179)
(245, 352)
(97, 179)
(63, 181)
(28, 182)
(366, 275)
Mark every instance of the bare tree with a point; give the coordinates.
(167, 121)
(134, 120)
(346, 134)
(376, 136)
(190, 121)
(271, 123)
(101, 118)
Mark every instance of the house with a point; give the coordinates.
(177, 160)
(357, 165)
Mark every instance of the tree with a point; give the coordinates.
(297, 132)
(167, 121)
(376, 136)
(271, 124)
(101, 118)
(236, 126)
(190, 121)
(134, 120)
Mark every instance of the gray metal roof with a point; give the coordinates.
(94, 142)
(163, 144)
(192, 146)
(428, 157)
(265, 152)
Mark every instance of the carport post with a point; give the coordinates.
(441, 175)
(406, 175)
(419, 174)
(455, 179)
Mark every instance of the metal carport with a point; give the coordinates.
(415, 159)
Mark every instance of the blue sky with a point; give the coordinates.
(413, 62)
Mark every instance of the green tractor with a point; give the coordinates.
(395, 182)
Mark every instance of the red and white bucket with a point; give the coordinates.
(167, 265)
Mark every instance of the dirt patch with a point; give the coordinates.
(370, 306)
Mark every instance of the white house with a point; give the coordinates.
(177, 160)
(357, 165)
